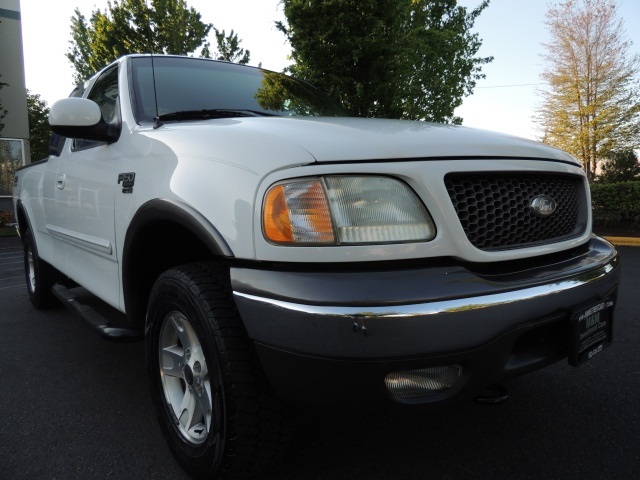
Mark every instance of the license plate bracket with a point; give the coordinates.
(591, 331)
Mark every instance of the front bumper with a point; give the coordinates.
(330, 337)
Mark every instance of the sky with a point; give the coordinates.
(512, 32)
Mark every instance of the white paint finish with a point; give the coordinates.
(426, 178)
(245, 141)
(92, 244)
(79, 112)
(222, 168)
(352, 139)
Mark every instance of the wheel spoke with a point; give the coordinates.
(173, 361)
(178, 323)
(187, 410)
(204, 401)
(190, 415)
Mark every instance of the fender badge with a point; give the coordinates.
(127, 180)
(543, 205)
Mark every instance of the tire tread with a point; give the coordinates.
(260, 424)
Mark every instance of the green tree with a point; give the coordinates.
(130, 26)
(592, 104)
(229, 48)
(38, 126)
(412, 59)
(622, 166)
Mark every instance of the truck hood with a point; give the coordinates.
(339, 139)
(294, 141)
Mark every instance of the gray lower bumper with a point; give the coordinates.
(393, 329)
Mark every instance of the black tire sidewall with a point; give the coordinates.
(40, 296)
(29, 246)
(172, 294)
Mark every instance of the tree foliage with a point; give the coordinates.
(616, 203)
(229, 48)
(130, 26)
(592, 104)
(412, 59)
(38, 126)
(622, 166)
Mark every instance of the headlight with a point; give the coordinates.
(344, 210)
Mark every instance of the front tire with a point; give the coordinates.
(214, 404)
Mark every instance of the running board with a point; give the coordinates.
(94, 319)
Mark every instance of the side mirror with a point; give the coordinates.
(81, 118)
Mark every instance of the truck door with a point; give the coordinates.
(86, 183)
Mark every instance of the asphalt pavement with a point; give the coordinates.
(73, 406)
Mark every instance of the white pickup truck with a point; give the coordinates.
(273, 251)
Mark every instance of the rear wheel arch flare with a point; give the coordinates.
(22, 218)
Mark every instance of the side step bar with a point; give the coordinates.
(95, 320)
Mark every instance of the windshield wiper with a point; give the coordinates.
(206, 114)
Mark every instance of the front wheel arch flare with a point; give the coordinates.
(136, 287)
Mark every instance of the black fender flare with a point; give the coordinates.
(161, 210)
(21, 207)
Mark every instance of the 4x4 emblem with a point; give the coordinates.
(543, 205)
(127, 180)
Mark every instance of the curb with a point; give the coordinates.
(624, 241)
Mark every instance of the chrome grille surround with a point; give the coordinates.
(494, 208)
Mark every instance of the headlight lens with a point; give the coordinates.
(345, 210)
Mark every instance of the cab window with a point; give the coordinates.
(104, 92)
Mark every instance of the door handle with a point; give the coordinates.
(62, 178)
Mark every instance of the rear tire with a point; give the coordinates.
(40, 276)
(215, 407)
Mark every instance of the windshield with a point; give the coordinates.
(187, 85)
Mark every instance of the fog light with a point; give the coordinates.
(423, 382)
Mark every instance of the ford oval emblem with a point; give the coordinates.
(543, 205)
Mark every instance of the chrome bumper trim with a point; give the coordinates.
(444, 306)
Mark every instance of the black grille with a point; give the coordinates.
(494, 208)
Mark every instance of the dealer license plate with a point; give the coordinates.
(591, 331)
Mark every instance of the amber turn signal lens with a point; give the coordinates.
(298, 212)
(277, 226)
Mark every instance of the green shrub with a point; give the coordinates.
(616, 203)
(6, 218)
